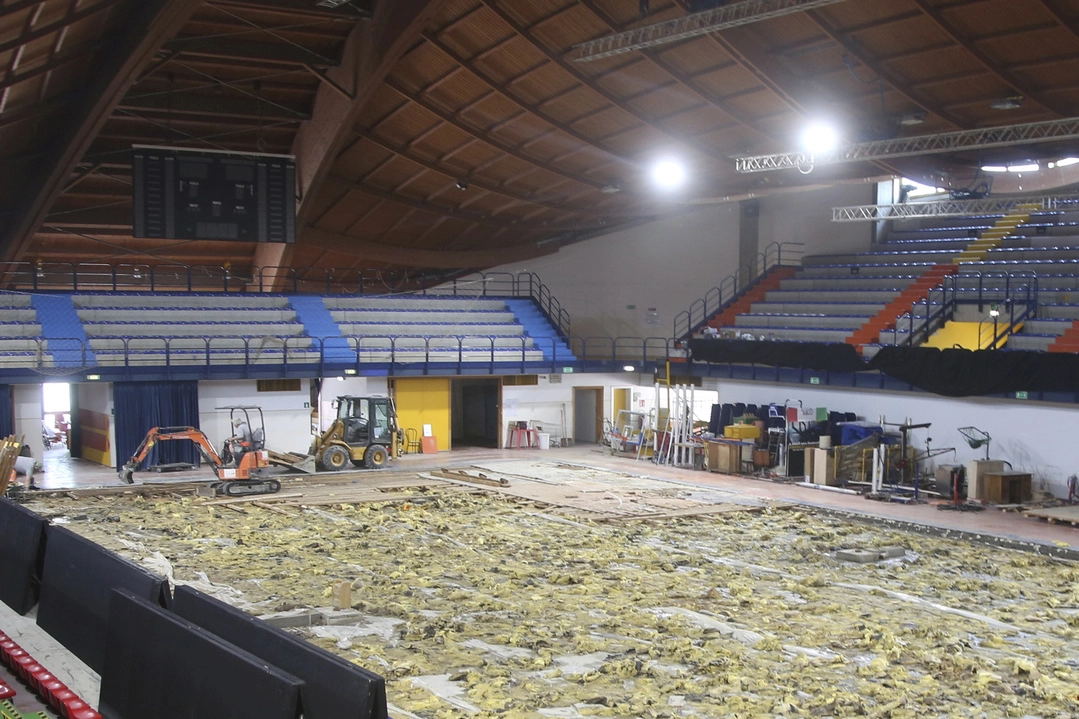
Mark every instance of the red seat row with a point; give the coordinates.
(44, 684)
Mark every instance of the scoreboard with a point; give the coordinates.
(213, 195)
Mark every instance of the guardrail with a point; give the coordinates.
(209, 357)
(101, 277)
(1012, 289)
(722, 295)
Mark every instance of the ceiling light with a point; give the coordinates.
(819, 138)
(1007, 103)
(462, 184)
(994, 168)
(668, 174)
(913, 118)
(1065, 161)
(1029, 167)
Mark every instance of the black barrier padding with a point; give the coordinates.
(159, 665)
(947, 372)
(333, 688)
(22, 554)
(75, 591)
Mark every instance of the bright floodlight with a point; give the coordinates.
(819, 138)
(668, 174)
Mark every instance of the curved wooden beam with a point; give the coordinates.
(484, 135)
(485, 186)
(680, 79)
(413, 257)
(145, 26)
(897, 83)
(556, 58)
(503, 89)
(999, 72)
(371, 50)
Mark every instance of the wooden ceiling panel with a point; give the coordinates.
(541, 85)
(485, 92)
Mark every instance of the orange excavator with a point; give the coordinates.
(242, 458)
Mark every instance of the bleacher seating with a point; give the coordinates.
(179, 329)
(195, 329)
(20, 333)
(832, 296)
(825, 301)
(446, 329)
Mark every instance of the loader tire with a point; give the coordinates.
(335, 458)
(376, 457)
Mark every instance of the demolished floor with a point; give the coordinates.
(533, 588)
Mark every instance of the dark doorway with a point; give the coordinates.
(475, 412)
(587, 415)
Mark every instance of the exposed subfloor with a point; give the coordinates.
(565, 583)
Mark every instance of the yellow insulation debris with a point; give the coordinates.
(733, 615)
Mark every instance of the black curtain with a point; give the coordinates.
(140, 406)
(949, 372)
(969, 373)
(7, 411)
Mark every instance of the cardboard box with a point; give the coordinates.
(724, 457)
(822, 467)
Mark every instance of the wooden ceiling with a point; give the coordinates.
(440, 135)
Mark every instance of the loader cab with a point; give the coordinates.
(366, 420)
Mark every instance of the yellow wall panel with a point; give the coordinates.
(424, 400)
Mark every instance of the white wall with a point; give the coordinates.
(334, 387)
(807, 217)
(28, 414)
(544, 403)
(1037, 438)
(288, 421)
(664, 265)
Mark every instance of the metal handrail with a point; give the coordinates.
(408, 354)
(101, 277)
(722, 295)
(1014, 294)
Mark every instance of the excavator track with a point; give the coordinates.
(247, 488)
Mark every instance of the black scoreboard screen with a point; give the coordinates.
(207, 195)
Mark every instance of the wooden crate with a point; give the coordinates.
(1006, 487)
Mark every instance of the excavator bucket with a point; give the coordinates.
(291, 460)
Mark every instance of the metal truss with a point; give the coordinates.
(953, 208)
(1005, 136)
(701, 23)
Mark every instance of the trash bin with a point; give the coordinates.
(544, 440)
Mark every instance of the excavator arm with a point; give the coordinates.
(164, 434)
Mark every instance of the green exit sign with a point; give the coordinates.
(814, 380)
(1021, 395)
(567, 370)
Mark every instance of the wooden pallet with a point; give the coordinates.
(9, 451)
(1057, 515)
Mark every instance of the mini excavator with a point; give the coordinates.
(241, 460)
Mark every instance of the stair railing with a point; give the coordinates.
(721, 296)
(939, 302)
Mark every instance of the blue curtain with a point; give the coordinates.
(7, 411)
(140, 406)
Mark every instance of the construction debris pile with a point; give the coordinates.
(478, 605)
